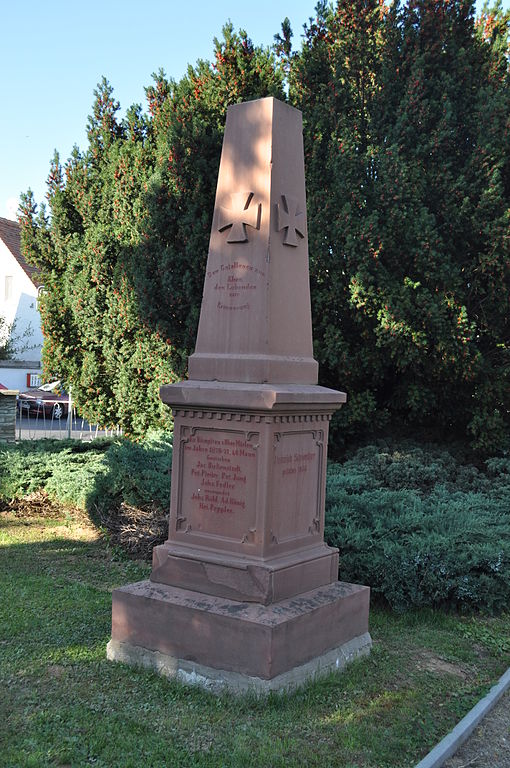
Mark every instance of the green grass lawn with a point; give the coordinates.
(63, 704)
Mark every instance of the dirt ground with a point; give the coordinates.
(136, 529)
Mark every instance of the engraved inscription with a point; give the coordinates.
(296, 485)
(234, 284)
(295, 463)
(218, 483)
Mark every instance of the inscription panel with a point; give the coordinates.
(218, 483)
(234, 286)
(296, 485)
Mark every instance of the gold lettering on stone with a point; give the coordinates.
(239, 216)
(218, 482)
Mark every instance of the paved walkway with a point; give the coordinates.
(489, 744)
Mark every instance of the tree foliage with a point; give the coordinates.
(5, 339)
(122, 250)
(407, 133)
(406, 127)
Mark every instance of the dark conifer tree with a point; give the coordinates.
(122, 254)
(406, 112)
(406, 128)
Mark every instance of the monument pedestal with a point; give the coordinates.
(242, 577)
(249, 474)
(244, 594)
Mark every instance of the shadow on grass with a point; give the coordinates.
(123, 486)
(39, 551)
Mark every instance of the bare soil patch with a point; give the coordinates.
(431, 663)
(136, 529)
(37, 504)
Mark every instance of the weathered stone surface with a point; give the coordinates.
(243, 577)
(219, 680)
(8, 415)
(247, 507)
(251, 639)
(255, 322)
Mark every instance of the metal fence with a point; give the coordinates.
(35, 424)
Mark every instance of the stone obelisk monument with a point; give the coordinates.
(244, 594)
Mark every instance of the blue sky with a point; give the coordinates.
(53, 54)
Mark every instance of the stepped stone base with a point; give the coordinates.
(221, 643)
(243, 578)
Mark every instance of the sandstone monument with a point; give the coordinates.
(244, 594)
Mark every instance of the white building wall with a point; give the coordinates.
(18, 304)
(14, 374)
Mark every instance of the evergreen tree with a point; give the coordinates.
(406, 130)
(123, 253)
(407, 170)
(334, 81)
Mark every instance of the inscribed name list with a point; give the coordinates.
(296, 486)
(218, 484)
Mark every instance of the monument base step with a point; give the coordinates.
(221, 643)
(243, 578)
(219, 680)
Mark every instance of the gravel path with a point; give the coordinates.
(489, 744)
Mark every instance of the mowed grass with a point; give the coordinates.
(63, 704)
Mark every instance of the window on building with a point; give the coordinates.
(8, 287)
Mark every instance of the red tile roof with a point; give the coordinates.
(11, 236)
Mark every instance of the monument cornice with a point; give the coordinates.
(251, 397)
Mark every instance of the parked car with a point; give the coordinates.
(48, 400)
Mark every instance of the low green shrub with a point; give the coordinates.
(102, 473)
(66, 469)
(136, 473)
(421, 528)
(419, 524)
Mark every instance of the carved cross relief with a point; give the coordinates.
(239, 216)
(290, 218)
